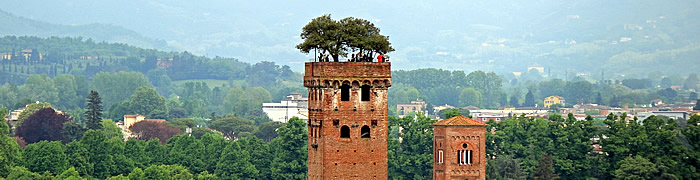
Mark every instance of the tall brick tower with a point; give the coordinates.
(459, 149)
(347, 119)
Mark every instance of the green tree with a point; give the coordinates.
(182, 123)
(259, 155)
(167, 172)
(233, 127)
(10, 152)
(412, 157)
(268, 130)
(470, 96)
(514, 101)
(290, 151)
(117, 86)
(186, 151)
(335, 38)
(67, 88)
(545, 169)
(29, 110)
(147, 102)
(111, 130)
(504, 167)
(231, 98)
(46, 156)
(137, 173)
(94, 111)
(98, 153)
(22, 173)
(78, 157)
(40, 87)
(204, 175)
(235, 163)
(72, 131)
(488, 84)
(214, 146)
(637, 168)
(69, 174)
(578, 92)
(529, 99)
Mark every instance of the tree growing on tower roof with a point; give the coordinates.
(94, 111)
(336, 37)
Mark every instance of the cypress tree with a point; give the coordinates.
(529, 99)
(94, 111)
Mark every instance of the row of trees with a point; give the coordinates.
(561, 147)
(98, 155)
(440, 87)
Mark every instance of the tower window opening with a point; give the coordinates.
(464, 157)
(345, 92)
(345, 132)
(439, 156)
(365, 93)
(365, 132)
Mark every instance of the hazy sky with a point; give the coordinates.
(456, 34)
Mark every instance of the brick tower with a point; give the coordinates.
(347, 119)
(459, 149)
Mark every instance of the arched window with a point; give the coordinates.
(345, 92)
(364, 132)
(365, 93)
(345, 132)
(464, 157)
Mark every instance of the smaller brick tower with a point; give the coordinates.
(459, 149)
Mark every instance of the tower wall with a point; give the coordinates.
(331, 156)
(450, 139)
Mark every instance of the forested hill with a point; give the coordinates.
(80, 56)
(16, 25)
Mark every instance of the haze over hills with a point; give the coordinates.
(16, 25)
(624, 37)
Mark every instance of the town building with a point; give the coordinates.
(669, 114)
(26, 54)
(459, 149)
(348, 119)
(130, 120)
(417, 106)
(552, 100)
(292, 106)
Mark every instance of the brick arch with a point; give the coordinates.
(366, 82)
(355, 84)
(458, 145)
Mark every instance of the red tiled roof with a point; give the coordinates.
(130, 115)
(458, 121)
(156, 120)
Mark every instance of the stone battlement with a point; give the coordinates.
(331, 74)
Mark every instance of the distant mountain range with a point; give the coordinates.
(627, 38)
(19, 26)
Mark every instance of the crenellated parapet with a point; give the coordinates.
(355, 74)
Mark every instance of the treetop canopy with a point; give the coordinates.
(337, 37)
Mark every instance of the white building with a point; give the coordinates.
(293, 106)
